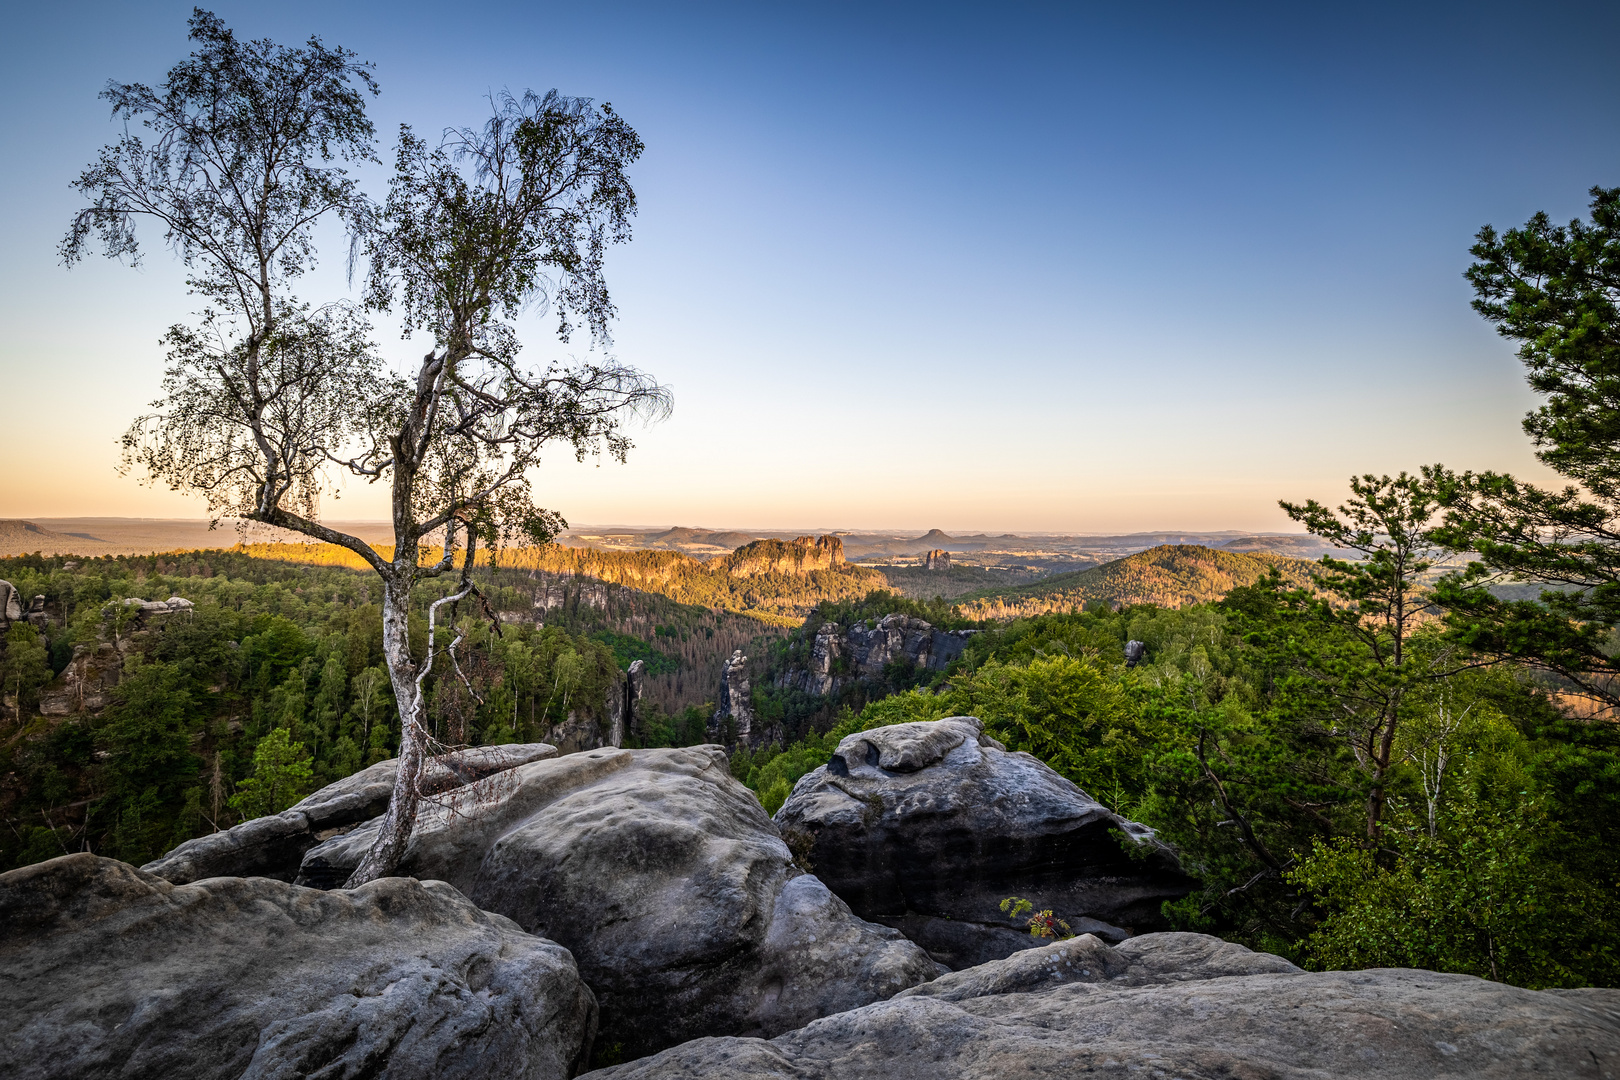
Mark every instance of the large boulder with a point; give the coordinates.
(928, 827)
(667, 881)
(111, 972)
(274, 846)
(1177, 1005)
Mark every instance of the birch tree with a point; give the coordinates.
(266, 400)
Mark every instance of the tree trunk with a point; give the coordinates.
(383, 858)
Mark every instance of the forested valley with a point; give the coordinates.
(1403, 755)
(273, 684)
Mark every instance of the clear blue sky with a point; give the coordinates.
(1027, 267)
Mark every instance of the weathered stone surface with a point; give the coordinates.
(635, 679)
(12, 604)
(86, 684)
(664, 877)
(929, 826)
(1177, 1005)
(937, 560)
(1146, 960)
(111, 972)
(273, 846)
(736, 708)
(867, 650)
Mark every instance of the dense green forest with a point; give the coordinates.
(274, 684)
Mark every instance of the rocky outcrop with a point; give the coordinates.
(148, 614)
(733, 719)
(111, 972)
(629, 716)
(665, 879)
(14, 607)
(174, 605)
(839, 656)
(939, 559)
(795, 558)
(927, 827)
(274, 846)
(1177, 1005)
(86, 684)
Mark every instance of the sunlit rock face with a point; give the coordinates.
(1177, 1005)
(795, 558)
(112, 972)
(928, 826)
(668, 883)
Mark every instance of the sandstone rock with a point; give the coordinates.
(927, 827)
(623, 701)
(795, 558)
(274, 846)
(868, 650)
(85, 685)
(174, 605)
(634, 680)
(736, 708)
(1177, 1005)
(902, 637)
(663, 876)
(1142, 961)
(939, 559)
(12, 607)
(111, 972)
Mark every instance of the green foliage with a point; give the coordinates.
(281, 776)
(1229, 739)
(1556, 291)
(149, 760)
(25, 667)
(1481, 896)
(627, 649)
(1042, 924)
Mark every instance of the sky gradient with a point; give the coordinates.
(997, 267)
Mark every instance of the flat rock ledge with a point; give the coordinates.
(1176, 1005)
(112, 972)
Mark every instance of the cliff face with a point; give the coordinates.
(795, 558)
(840, 656)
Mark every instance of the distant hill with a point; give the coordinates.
(25, 537)
(1170, 575)
(96, 536)
(1295, 545)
